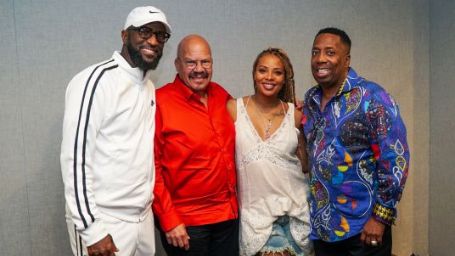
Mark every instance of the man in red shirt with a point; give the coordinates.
(195, 191)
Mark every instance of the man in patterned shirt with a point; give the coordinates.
(358, 154)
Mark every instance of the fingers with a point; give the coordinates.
(104, 247)
(372, 232)
(113, 247)
(363, 236)
(181, 241)
(107, 253)
(379, 239)
(371, 239)
(102, 253)
(186, 243)
(169, 239)
(178, 237)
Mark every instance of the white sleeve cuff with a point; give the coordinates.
(94, 233)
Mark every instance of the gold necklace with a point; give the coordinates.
(268, 121)
(268, 126)
(341, 87)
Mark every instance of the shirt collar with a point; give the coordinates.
(136, 73)
(352, 80)
(186, 91)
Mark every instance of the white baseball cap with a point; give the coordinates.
(140, 16)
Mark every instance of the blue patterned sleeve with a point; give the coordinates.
(391, 151)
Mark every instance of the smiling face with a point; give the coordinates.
(330, 60)
(194, 63)
(269, 75)
(143, 52)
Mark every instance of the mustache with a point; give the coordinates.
(202, 74)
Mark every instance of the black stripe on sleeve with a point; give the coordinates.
(75, 144)
(84, 183)
(80, 246)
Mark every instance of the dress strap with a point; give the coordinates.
(290, 114)
(247, 101)
(291, 107)
(282, 107)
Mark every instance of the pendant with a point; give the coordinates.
(267, 129)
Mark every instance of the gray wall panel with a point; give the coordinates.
(420, 175)
(44, 43)
(14, 212)
(40, 47)
(442, 107)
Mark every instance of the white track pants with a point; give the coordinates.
(131, 238)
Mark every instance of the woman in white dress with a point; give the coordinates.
(274, 213)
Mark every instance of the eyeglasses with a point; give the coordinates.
(146, 33)
(192, 64)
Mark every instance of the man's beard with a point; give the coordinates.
(139, 62)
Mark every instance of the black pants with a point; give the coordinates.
(353, 246)
(219, 239)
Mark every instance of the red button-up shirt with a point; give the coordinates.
(194, 157)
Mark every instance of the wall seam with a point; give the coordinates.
(21, 112)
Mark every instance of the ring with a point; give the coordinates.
(374, 243)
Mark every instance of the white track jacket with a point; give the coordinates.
(107, 148)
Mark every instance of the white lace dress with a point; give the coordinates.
(270, 181)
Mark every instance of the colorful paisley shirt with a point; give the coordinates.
(358, 156)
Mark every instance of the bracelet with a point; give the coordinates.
(384, 214)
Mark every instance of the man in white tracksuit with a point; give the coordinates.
(107, 148)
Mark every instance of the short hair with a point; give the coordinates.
(338, 32)
(287, 93)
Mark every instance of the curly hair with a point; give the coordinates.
(287, 93)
